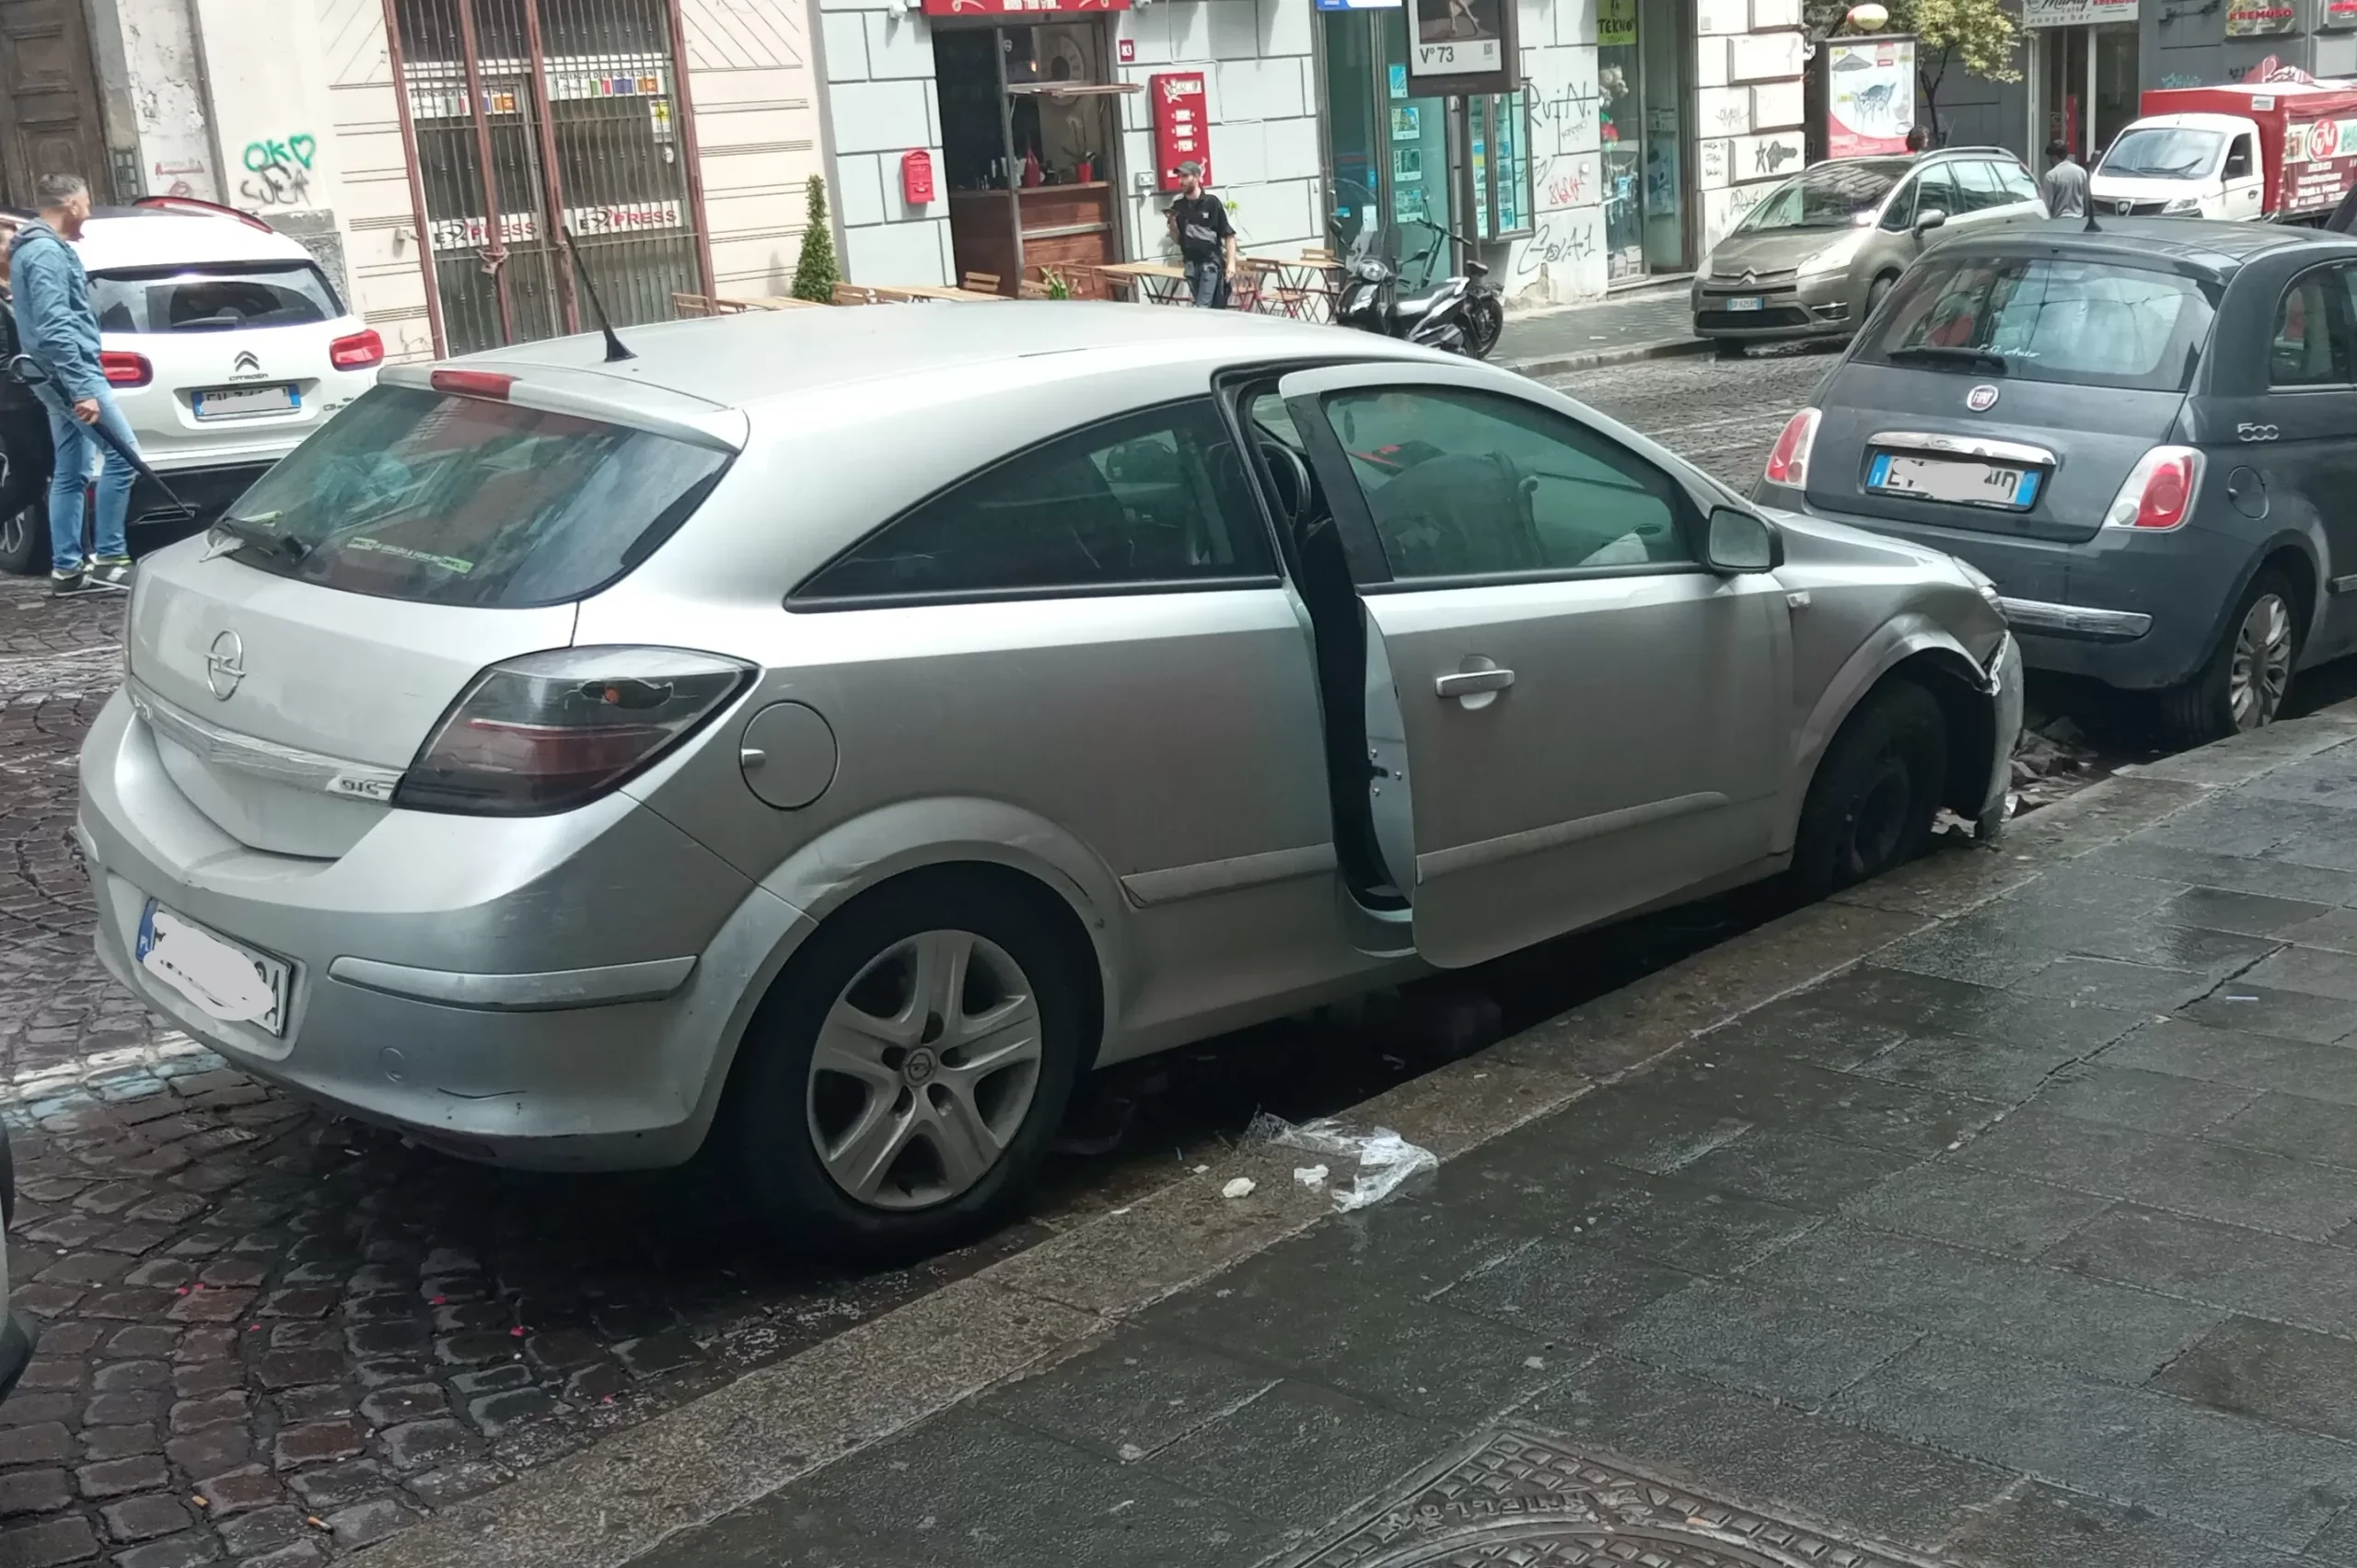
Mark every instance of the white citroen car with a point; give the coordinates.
(226, 345)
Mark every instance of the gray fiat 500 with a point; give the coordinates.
(2143, 435)
(832, 733)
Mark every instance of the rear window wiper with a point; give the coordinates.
(1939, 354)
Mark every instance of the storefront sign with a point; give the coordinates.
(2338, 14)
(2250, 19)
(1359, 5)
(1181, 124)
(1016, 7)
(1616, 24)
(2076, 13)
(1870, 105)
(1462, 46)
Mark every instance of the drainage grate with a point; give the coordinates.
(1523, 1500)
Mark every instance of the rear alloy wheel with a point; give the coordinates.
(921, 1049)
(2248, 675)
(1871, 805)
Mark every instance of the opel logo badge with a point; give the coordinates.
(921, 1065)
(225, 666)
(2123, 208)
(1981, 398)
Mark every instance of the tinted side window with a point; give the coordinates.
(1472, 484)
(1898, 216)
(2015, 181)
(2238, 159)
(1977, 186)
(1936, 191)
(1151, 497)
(2311, 344)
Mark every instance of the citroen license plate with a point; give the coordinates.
(1964, 482)
(1749, 302)
(222, 979)
(228, 402)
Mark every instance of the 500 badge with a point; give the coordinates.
(2256, 433)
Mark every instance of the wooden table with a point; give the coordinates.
(1302, 289)
(1157, 283)
(963, 296)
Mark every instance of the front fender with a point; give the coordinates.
(1894, 643)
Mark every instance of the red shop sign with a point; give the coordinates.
(1182, 130)
(1016, 7)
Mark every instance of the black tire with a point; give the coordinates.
(2204, 709)
(1877, 791)
(1485, 323)
(1728, 348)
(24, 511)
(24, 538)
(771, 1105)
(1876, 292)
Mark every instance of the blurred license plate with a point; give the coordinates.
(1961, 481)
(1749, 302)
(227, 403)
(225, 979)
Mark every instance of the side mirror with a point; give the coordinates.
(1930, 218)
(1741, 541)
(26, 370)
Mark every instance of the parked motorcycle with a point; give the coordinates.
(1462, 314)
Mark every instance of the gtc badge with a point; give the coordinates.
(1981, 398)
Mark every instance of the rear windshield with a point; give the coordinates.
(1831, 195)
(2045, 318)
(211, 300)
(465, 501)
(2163, 152)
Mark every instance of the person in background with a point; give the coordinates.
(2065, 185)
(1917, 138)
(56, 326)
(1206, 239)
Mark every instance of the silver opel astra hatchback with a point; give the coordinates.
(831, 733)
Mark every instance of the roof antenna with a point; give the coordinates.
(615, 352)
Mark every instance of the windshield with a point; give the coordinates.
(2092, 323)
(197, 299)
(1831, 195)
(2163, 152)
(464, 501)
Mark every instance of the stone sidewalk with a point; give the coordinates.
(2028, 1240)
(1652, 323)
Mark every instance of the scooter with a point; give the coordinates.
(1463, 315)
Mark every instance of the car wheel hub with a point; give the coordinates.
(924, 1071)
(2261, 668)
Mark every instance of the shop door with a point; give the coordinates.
(530, 117)
(49, 99)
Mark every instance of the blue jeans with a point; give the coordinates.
(79, 449)
(1204, 279)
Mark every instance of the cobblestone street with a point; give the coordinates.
(274, 1338)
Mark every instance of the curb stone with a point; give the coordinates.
(600, 1507)
(1539, 367)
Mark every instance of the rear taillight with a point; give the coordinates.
(1788, 461)
(123, 368)
(2159, 491)
(550, 731)
(473, 383)
(358, 351)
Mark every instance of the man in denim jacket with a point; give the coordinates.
(56, 325)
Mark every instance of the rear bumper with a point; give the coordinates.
(2135, 611)
(554, 993)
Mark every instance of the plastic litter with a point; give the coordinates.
(1239, 1187)
(1310, 1175)
(1384, 1158)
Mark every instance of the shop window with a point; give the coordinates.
(1465, 485)
(1501, 159)
(1157, 497)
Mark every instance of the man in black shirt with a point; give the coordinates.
(1206, 239)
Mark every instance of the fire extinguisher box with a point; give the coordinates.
(916, 177)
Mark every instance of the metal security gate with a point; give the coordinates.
(527, 116)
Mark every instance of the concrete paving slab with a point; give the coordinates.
(2223, 1266)
(1976, 1209)
(1798, 1351)
(2294, 1377)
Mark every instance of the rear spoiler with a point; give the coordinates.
(589, 394)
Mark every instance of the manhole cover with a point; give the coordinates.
(1526, 1501)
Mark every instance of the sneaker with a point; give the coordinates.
(111, 576)
(69, 584)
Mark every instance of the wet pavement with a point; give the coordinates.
(2031, 1240)
(1648, 323)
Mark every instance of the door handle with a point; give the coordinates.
(1466, 682)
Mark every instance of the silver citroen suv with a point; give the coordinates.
(833, 733)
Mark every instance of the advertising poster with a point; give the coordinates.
(1181, 126)
(1462, 46)
(1870, 101)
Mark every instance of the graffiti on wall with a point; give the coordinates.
(278, 170)
(1565, 111)
(1563, 241)
(1563, 258)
